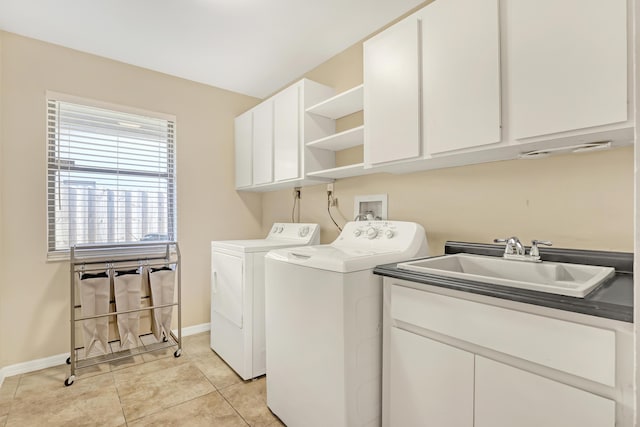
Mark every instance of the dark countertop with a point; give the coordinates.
(613, 299)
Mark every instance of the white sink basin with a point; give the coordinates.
(574, 280)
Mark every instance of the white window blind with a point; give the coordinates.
(111, 176)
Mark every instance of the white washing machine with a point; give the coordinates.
(324, 324)
(237, 294)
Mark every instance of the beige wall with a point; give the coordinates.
(577, 201)
(34, 298)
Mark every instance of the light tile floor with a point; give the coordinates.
(153, 389)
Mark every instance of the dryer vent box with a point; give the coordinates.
(372, 207)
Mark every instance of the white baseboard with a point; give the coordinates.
(195, 329)
(59, 359)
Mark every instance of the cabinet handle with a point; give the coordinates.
(214, 282)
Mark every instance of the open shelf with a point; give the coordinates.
(340, 141)
(343, 172)
(343, 104)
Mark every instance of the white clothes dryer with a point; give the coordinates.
(324, 324)
(237, 294)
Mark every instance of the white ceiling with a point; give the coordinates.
(253, 47)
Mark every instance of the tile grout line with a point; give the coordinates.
(217, 390)
(115, 385)
(13, 399)
(167, 407)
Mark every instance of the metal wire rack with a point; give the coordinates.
(93, 258)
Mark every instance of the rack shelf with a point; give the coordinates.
(343, 172)
(340, 141)
(343, 104)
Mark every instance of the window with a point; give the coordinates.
(111, 176)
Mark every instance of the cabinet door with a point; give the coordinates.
(567, 64)
(286, 132)
(392, 94)
(244, 147)
(460, 74)
(507, 397)
(263, 143)
(430, 383)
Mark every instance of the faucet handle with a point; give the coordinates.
(513, 245)
(534, 252)
(508, 249)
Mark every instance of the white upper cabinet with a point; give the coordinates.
(567, 64)
(433, 81)
(470, 81)
(263, 143)
(391, 94)
(270, 140)
(244, 147)
(286, 131)
(460, 74)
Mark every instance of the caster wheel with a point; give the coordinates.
(69, 381)
(177, 353)
(68, 360)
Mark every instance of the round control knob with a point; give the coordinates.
(371, 233)
(357, 232)
(280, 229)
(304, 231)
(389, 234)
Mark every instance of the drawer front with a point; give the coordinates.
(580, 350)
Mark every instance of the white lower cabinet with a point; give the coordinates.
(430, 383)
(454, 361)
(506, 396)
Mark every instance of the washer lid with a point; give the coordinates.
(256, 245)
(281, 235)
(332, 258)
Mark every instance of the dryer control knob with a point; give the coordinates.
(280, 229)
(389, 234)
(372, 233)
(357, 232)
(304, 231)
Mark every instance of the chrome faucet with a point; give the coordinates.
(514, 246)
(516, 251)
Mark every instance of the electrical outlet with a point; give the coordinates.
(330, 187)
(297, 192)
(334, 201)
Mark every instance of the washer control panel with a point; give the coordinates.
(298, 231)
(380, 235)
(372, 230)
